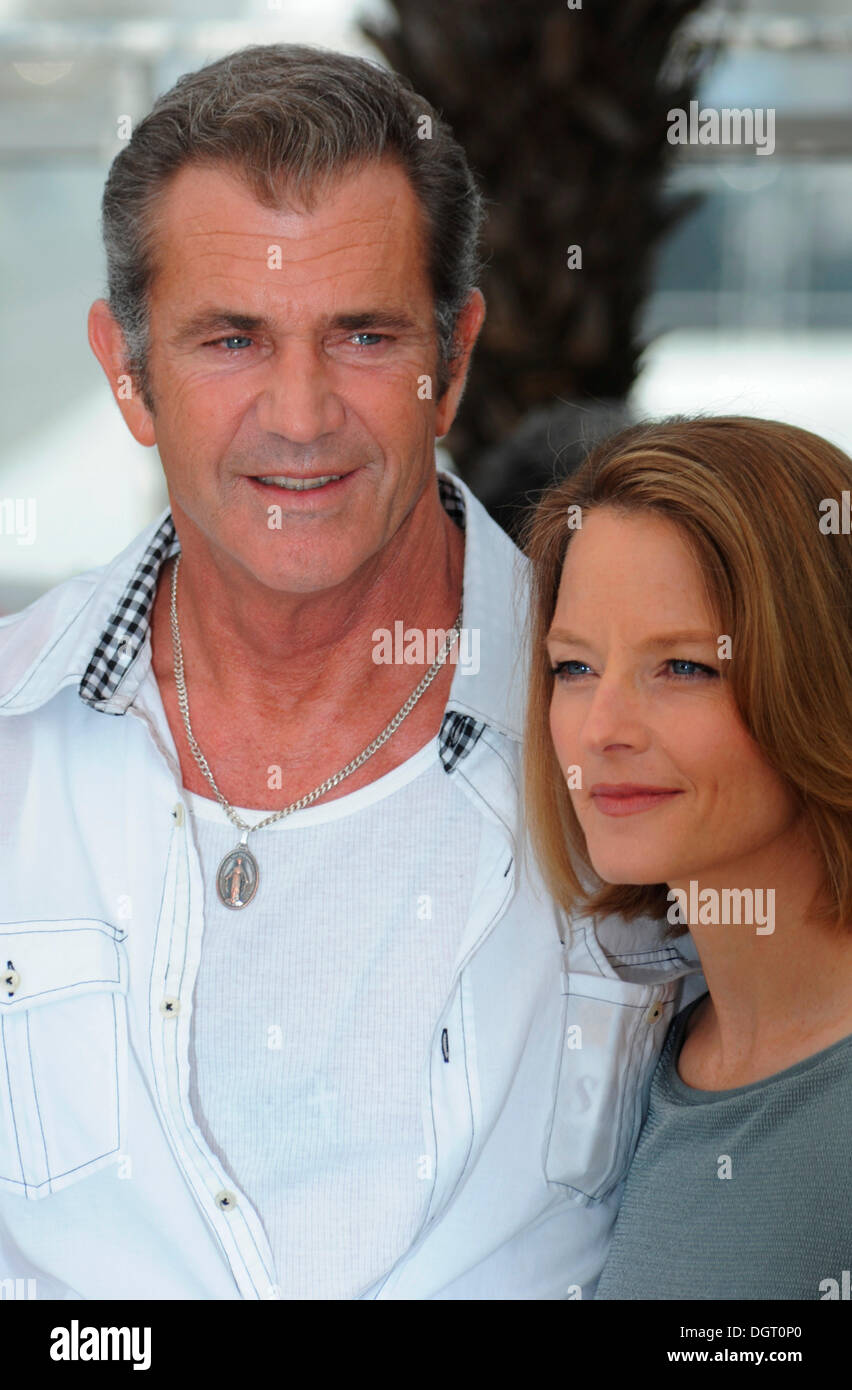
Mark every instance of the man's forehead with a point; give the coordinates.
(371, 213)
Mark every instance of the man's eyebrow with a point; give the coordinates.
(660, 639)
(205, 321)
(395, 319)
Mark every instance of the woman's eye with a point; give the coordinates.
(679, 667)
(563, 670)
(696, 669)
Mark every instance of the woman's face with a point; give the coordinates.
(639, 703)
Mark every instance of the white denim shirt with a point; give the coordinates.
(540, 1062)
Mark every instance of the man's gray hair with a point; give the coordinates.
(288, 118)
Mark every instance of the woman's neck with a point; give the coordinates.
(779, 979)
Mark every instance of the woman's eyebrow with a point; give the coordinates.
(659, 639)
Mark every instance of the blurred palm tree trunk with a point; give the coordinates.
(563, 115)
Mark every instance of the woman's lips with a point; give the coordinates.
(627, 799)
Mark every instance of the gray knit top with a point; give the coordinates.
(739, 1194)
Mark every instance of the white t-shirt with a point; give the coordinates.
(314, 1010)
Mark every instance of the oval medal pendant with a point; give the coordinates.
(236, 881)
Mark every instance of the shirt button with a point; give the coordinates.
(169, 1007)
(655, 1012)
(11, 980)
(177, 812)
(225, 1201)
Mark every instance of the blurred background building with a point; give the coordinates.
(743, 300)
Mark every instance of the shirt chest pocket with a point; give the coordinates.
(63, 1052)
(613, 1034)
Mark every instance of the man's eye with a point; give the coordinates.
(376, 338)
(231, 338)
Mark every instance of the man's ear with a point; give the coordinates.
(470, 321)
(107, 343)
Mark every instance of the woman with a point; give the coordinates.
(689, 757)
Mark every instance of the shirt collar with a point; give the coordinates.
(94, 629)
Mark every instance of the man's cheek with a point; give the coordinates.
(404, 381)
(395, 416)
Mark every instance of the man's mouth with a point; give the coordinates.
(299, 484)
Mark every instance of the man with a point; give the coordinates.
(333, 1052)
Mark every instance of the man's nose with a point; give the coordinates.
(299, 401)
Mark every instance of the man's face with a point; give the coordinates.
(294, 345)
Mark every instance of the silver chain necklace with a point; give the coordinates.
(238, 874)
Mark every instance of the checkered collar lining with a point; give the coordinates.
(122, 637)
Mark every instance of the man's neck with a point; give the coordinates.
(254, 645)
(290, 681)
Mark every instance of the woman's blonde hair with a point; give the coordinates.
(750, 498)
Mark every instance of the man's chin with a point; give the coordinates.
(296, 576)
